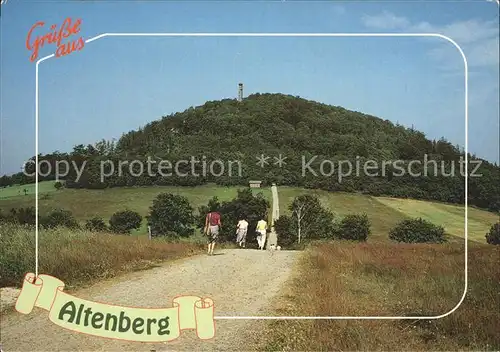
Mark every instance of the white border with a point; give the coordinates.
(466, 72)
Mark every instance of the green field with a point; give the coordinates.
(384, 213)
(451, 217)
(18, 190)
(85, 204)
(383, 218)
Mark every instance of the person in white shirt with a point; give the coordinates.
(241, 232)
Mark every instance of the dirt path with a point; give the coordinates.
(272, 238)
(238, 280)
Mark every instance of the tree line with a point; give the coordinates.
(173, 217)
(273, 124)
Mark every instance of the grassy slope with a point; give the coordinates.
(384, 213)
(451, 217)
(18, 190)
(382, 217)
(84, 203)
(357, 279)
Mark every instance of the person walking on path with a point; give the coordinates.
(261, 230)
(212, 227)
(241, 232)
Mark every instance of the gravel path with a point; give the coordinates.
(241, 282)
(272, 237)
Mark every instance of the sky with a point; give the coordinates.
(117, 84)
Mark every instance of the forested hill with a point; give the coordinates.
(273, 124)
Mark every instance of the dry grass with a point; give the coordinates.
(384, 279)
(78, 257)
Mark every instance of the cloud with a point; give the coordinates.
(465, 32)
(385, 20)
(478, 39)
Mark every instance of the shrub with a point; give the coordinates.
(311, 220)
(24, 216)
(58, 218)
(125, 221)
(96, 224)
(58, 185)
(213, 205)
(171, 213)
(493, 236)
(4, 217)
(284, 227)
(354, 227)
(325, 226)
(417, 231)
(245, 205)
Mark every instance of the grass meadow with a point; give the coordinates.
(85, 203)
(376, 278)
(80, 257)
(451, 217)
(384, 213)
(18, 190)
(386, 279)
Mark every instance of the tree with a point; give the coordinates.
(285, 229)
(5, 181)
(171, 213)
(493, 236)
(293, 126)
(213, 205)
(59, 217)
(354, 227)
(24, 216)
(125, 221)
(305, 209)
(417, 231)
(244, 205)
(96, 224)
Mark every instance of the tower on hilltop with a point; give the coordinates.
(240, 91)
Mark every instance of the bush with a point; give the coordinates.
(23, 216)
(325, 226)
(58, 218)
(245, 205)
(284, 227)
(311, 220)
(417, 231)
(58, 185)
(96, 224)
(4, 217)
(213, 205)
(171, 213)
(354, 227)
(493, 236)
(125, 221)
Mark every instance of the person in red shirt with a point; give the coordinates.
(212, 227)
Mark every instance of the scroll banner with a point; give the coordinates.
(107, 320)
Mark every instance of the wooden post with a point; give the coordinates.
(149, 232)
